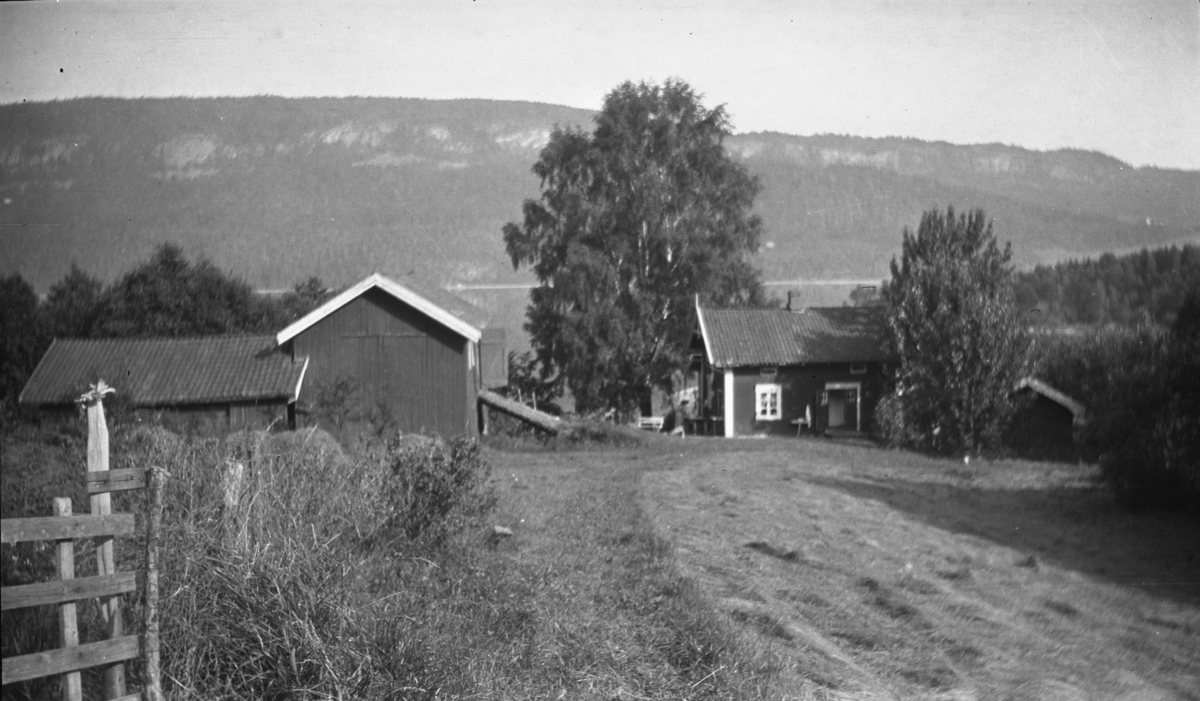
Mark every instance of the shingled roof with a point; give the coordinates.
(446, 308)
(167, 371)
(744, 337)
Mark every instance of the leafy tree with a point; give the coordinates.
(169, 296)
(302, 299)
(71, 307)
(22, 340)
(526, 384)
(955, 334)
(635, 220)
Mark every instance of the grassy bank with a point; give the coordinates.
(336, 575)
(646, 568)
(883, 574)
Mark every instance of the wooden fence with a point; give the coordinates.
(108, 585)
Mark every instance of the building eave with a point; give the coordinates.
(393, 288)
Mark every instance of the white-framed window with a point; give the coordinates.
(768, 399)
(858, 369)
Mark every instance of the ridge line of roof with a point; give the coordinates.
(398, 290)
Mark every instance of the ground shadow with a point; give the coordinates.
(1078, 528)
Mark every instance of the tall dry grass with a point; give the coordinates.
(270, 583)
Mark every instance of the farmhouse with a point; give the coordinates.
(412, 355)
(1046, 423)
(415, 353)
(234, 381)
(779, 371)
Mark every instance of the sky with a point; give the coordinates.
(1121, 77)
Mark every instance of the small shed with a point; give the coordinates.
(416, 354)
(774, 371)
(1047, 423)
(236, 381)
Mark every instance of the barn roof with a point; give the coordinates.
(446, 308)
(167, 371)
(741, 337)
(1077, 409)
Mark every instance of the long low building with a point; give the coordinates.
(411, 354)
(238, 380)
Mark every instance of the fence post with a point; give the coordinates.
(97, 461)
(152, 685)
(68, 623)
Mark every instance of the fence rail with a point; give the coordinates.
(108, 586)
(20, 530)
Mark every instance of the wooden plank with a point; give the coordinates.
(152, 678)
(116, 480)
(19, 530)
(544, 421)
(68, 622)
(60, 592)
(129, 697)
(44, 664)
(97, 461)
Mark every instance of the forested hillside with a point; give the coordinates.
(1111, 289)
(277, 190)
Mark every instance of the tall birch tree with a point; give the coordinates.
(635, 220)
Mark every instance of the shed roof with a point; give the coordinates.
(167, 371)
(742, 337)
(446, 308)
(1077, 409)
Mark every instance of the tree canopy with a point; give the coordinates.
(1123, 289)
(634, 221)
(956, 337)
(22, 337)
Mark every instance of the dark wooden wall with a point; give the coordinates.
(1042, 429)
(801, 386)
(400, 359)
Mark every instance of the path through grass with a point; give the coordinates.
(879, 574)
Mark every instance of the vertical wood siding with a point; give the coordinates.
(400, 358)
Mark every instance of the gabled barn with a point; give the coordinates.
(415, 355)
(415, 352)
(774, 371)
(233, 381)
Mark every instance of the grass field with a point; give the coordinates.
(851, 572)
(722, 569)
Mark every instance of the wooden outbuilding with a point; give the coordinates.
(232, 382)
(1047, 423)
(785, 371)
(416, 353)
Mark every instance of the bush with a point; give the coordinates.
(1140, 387)
(436, 488)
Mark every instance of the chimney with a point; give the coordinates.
(789, 304)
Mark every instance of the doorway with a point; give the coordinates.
(844, 408)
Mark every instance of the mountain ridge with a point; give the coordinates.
(279, 189)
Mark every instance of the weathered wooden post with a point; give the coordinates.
(97, 461)
(235, 519)
(152, 684)
(68, 622)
